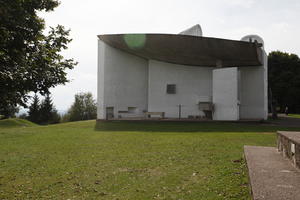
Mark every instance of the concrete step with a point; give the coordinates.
(272, 176)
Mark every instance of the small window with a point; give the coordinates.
(132, 110)
(171, 89)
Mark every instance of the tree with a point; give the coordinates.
(83, 108)
(44, 112)
(30, 60)
(48, 113)
(34, 110)
(9, 111)
(90, 106)
(284, 80)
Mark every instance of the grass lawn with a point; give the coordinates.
(294, 115)
(128, 160)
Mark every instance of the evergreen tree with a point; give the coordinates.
(46, 109)
(34, 110)
(48, 113)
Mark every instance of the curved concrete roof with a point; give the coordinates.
(187, 50)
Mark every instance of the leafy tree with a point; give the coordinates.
(29, 59)
(48, 113)
(76, 112)
(284, 80)
(83, 108)
(90, 106)
(34, 110)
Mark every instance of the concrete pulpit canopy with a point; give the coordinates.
(193, 31)
(186, 49)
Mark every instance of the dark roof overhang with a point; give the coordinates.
(188, 50)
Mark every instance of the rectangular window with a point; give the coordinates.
(132, 110)
(171, 89)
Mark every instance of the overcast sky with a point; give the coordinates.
(276, 21)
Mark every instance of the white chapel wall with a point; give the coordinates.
(122, 82)
(192, 85)
(225, 94)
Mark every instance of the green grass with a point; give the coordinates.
(128, 160)
(294, 115)
(15, 122)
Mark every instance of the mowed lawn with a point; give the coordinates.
(128, 160)
(294, 115)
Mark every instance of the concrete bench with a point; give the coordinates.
(288, 143)
(161, 114)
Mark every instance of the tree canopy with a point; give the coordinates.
(30, 61)
(284, 80)
(83, 108)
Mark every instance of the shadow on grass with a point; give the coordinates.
(165, 126)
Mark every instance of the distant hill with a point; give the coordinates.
(15, 122)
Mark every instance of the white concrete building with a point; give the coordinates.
(181, 75)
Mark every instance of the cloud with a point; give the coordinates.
(241, 3)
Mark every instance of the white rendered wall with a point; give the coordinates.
(100, 84)
(122, 81)
(193, 84)
(254, 91)
(225, 94)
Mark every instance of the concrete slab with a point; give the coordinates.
(272, 177)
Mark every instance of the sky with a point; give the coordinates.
(276, 21)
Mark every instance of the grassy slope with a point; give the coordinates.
(128, 160)
(15, 122)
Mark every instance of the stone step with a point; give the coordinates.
(272, 176)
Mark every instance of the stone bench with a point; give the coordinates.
(161, 114)
(288, 143)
